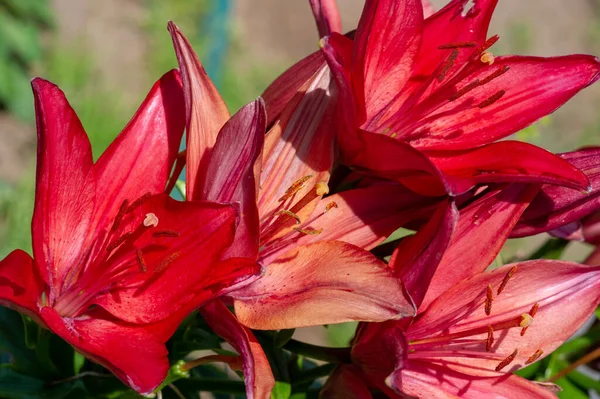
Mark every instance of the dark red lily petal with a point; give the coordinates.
(21, 285)
(531, 88)
(284, 88)
(206, 111)
(346, 382)
(387, 42)
(556, 206)
(132, 354)
(322, 283)
(65, 189)
(417, 257)
(422, 379)
(230, 174)
(327, 16)
(205, 230)
(508, 161)
(140, 159)
(482, 229)
(257, 371)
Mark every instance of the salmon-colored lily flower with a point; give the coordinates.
(423, 101)
(313, 249)
(111, 252)
(474, 328)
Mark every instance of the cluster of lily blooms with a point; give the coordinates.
(395, 124)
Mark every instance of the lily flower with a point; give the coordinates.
(431, 90)
(313, 248)
(111, 252)
(474, 327)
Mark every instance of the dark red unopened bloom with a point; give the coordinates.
(111, 270)
(423, 101)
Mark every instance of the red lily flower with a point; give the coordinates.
(111, 251)
(431, 91)
(473, 328)
(314, 250)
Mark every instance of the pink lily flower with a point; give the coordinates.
(473, 327)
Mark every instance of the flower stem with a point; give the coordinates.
(332, 355)
(585, 359)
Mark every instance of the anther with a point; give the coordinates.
(474, 84)
(289, 214)
(330, 206)
(165, 233)
(150, 220)
(488, 43)
(508, 276)
(489, 298)
(534, 357)
(447, 65)
(498, 72)
(487, 58)
(166, 261)
(490, 339)
(120, 214)
(531, 314)
(454, 45)
(312, 232)
(140, 259)
(321, 188)
(295, 187)
(492, 99)
(507, 361)
(138, 202)
(113, 245)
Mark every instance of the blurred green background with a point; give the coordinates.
(106, 54)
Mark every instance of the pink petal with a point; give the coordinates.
(21, 285)
(140, 159)
(206, 112)
(482, 230)
(386, 44)
(322, 283)
(567, 294)
(437, 382)
(417, 257)
(556, 206)
(508, 161)
(345, 382)
(257, 371)
(327, 16)
(230, 173)
(65, 189)
(132, 354)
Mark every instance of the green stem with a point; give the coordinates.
(213, 385)
(312, 374)
(326, 354)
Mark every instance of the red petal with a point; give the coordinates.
(132, 354)
(230, 175)
(65, 188)
(482, 230)
(567, 294)
(386, 44)
(205, 109)
(142, 156)
(556, 206)
(257, 371)
(21, 286)
(327, 16)
(508, 161)
(322, 283)
(346, 382)
(417, 257)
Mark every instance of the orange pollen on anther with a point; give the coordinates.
(489, 298)
(312, 232)
(295, 187)
(165, 233)
(492, 99)
(113, 245)
(508, 276)
(487, 58)
(151, 220)
(330, 206)
(290, 214)
(534, 357)
(166, 261)
(474, 84)
(490, 339)
(138, 202)
(447, 65)
(507, 361)
(454, 45)
(498, 72)
(140, 259)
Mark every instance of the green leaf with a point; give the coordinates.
(12, 343)
(283, 336)
(20, 386)
(282, 390)
(570, 390)
(78, 362)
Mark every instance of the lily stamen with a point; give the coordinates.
(137, 202)
(308, 231)
(330, 206)
(534, 357)
(165, 233)
(509, 359)
(166, 261)
(453, 45)
(492, 99)
(140, 259)
(490, 339)
(489, 298)
(531, 314)
(285, 212)
(295, 187)
(508, 276)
